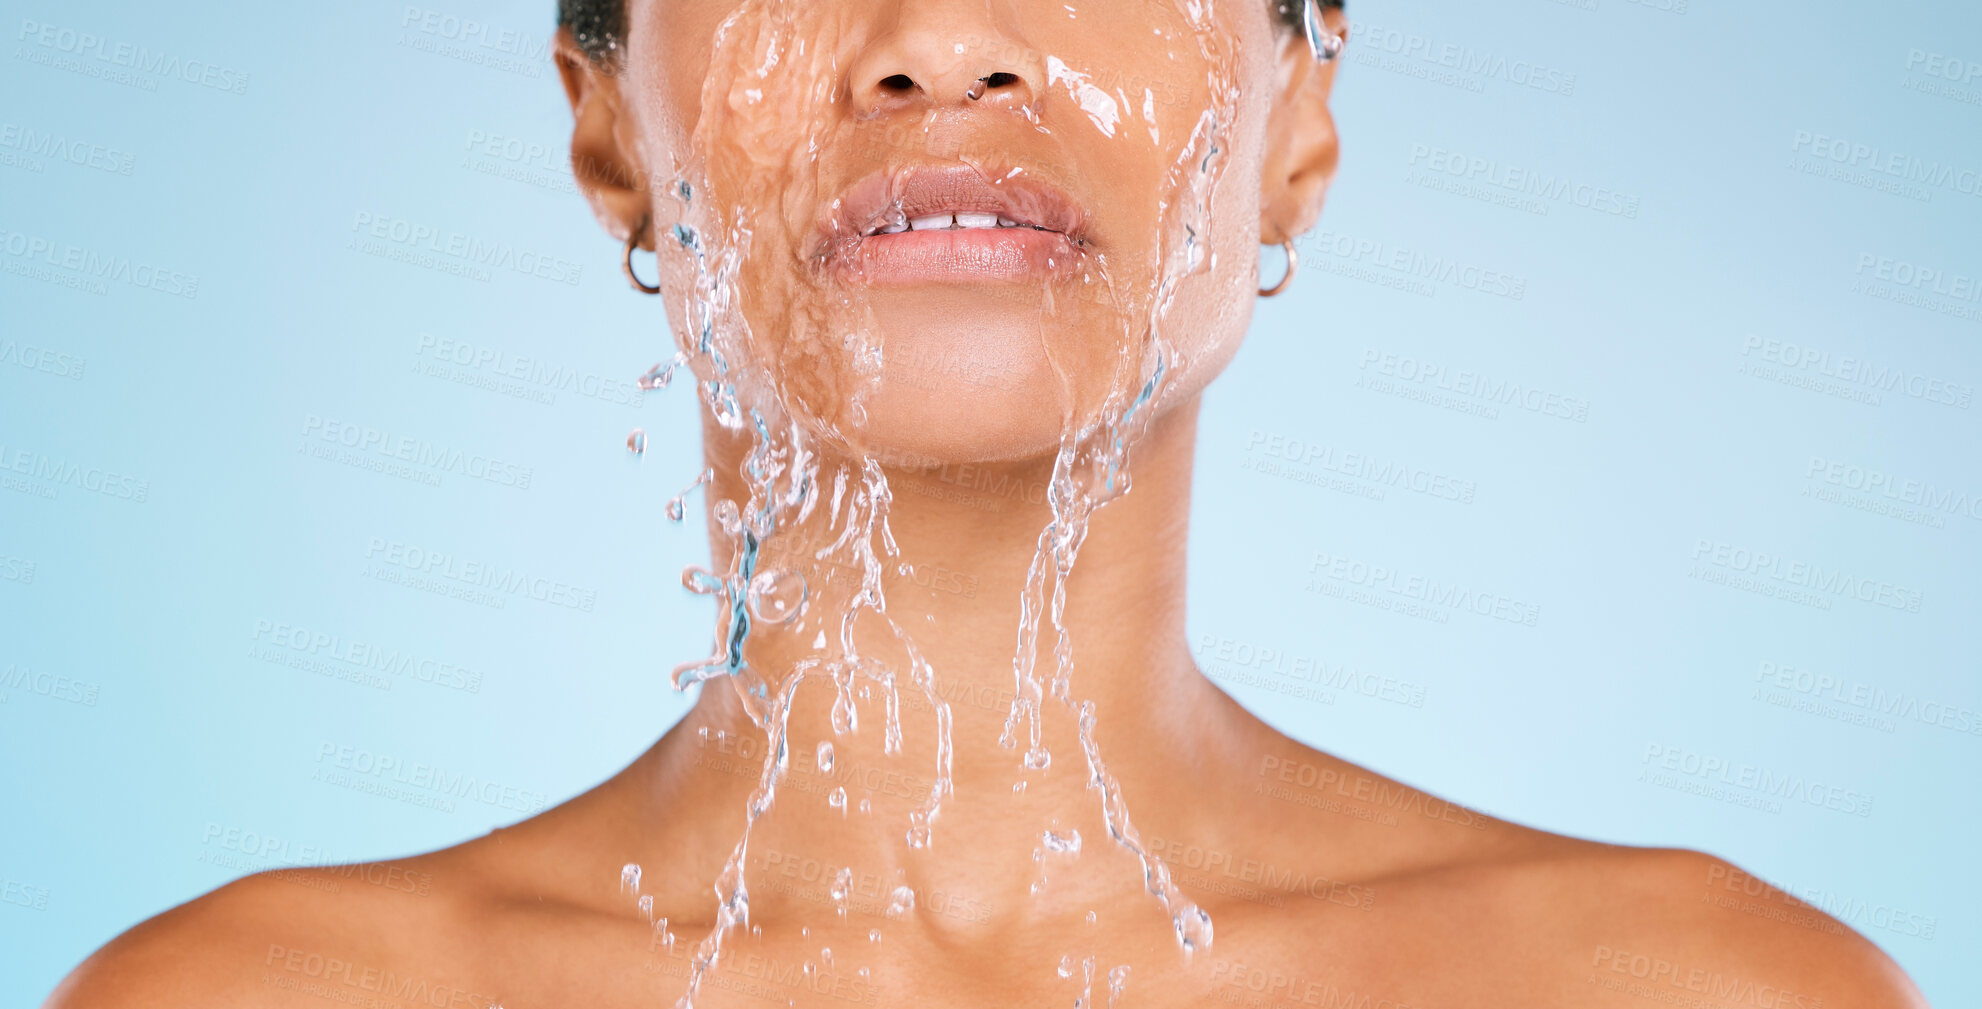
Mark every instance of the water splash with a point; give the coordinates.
(676, 507)
(784, 477)
(777, 596)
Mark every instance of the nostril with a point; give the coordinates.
(898, 82)
(1001, 80)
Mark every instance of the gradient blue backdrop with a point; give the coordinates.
(1704, 208)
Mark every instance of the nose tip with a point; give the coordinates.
(927, 68)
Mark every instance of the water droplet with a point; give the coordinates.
(1067, 844)
(837, 799)
(1018, 788)
(677, 505)
(776, 595)
(1193, 928)
(702, 582)
(873, 935)
(826, 955)
(901, 902)
(866, 806)
(1118, 979)
(661, 374)
(1066, 965)
(726, 517)
(647, 906)
(629, 875)
(636, 442)
(825, 756)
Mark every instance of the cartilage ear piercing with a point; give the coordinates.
(1325, 44)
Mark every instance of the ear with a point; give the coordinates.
(1301, 148)
(606, 157)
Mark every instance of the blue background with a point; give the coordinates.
(149, 734)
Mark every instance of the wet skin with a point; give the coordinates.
(1360, 888)
(1328, 885)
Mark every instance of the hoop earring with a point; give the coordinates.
(1293, 266)
(626, 258)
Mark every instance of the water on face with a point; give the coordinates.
(792, 364)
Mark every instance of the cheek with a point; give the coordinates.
(667, 61)
(1207, 321)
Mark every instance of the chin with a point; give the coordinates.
(956, 422)
(990, 373)
(966, 376)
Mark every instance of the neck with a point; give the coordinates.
(967, 538)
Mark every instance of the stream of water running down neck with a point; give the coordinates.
(808, 543)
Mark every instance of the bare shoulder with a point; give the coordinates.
(446, 928)
(1546, 915)
(284, 937)
(1659, 922)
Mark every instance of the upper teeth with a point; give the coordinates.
(958, 219)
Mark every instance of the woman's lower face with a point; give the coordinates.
(954, 231)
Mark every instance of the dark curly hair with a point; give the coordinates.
(596, 25)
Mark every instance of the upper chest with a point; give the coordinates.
(1407, 954)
